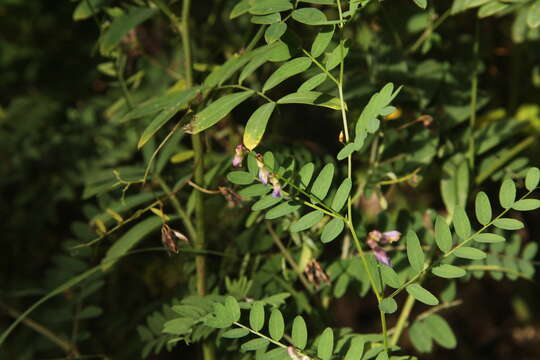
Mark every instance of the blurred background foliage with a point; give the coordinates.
(63, 128)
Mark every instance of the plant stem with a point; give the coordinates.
(402, 320)
(256, 38)
(474, 94)
(176, 204)
(427, 33)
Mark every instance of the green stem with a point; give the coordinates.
(176, 204)
(242, 87)
(474, 95)
(256, 38)
(427, 33)
(402, 320)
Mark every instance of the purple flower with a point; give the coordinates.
(263, 171)
(382, 256)
(276, 185)
(376, 238)
(389, 237)
(239, 155)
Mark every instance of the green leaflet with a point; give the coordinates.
(332, 230)
(217, 111)
(448, 271)
(470, 253)
(233, 308)
(326, 344)
(277, 51)
(533, 174)
(87, 8)
(422, 295)
(462, 226)
(285, 71)
(388, 306)
(276, 325)
(415, 254)
(508, 224)
(322, 183)
(307, 221)
(421, 3)
(440, 331)
(420, 337)
(311, 98)
(240, 177)
(265, 202)
(275, 32)
(254, 190)
(121, 25)
(342, 194)
(266, 19)
(390, 277)
(356, 349)
(256, 316)
(254, 344)
(305, 174)
(533, 16)
(239, 9)
(482, 208)
(270, 6)
(322, 40)
(235, 333)
(526, 205)
(488, 238)
(309, 16)
(256, 125)
(335, 57)
(507, 193)
(299, 333)
(443, 236)
(281, 210)
(312, 82)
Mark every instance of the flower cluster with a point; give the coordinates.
(264, 174)
(169, 238)
(376, 239)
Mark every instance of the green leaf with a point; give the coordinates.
(390, 277)
(533, 177)
(217, 111)
(87, 8)
(320, 2)
(526, 205)
(299, 333)
(322, 183)
(305, 174)
(281, 210)
(325, 347)
(507, 193)
(415, 254)
(388, 306)
(342, 194)
(309, 16)
(488, 238)
(129, 240)
(322, 40)
(276, 50)
(530, 250)
(240, 177)
(270, 6)
(448, 271)
(285, 71)
(256, 125)
(121, 25)
(220, 318)
(443, 236)
(339, 52)
(307, 221)
(239, 9)
(420, 337)
(233, 308)
(421, 3)
(483, 208)
(356, 349)
(254, 344)
(265, 202)
(508, 224)
(462, 226)
(311, 98)
(440, 331)
(341, 285)
(533, 16)
(266, 19)
(466, 252)
(422, 295)
(312, 83)
(332, 230)
(235, 333)
(276, 325)
(275, 32)
(178, 326)
(254, 190)
(256, 316)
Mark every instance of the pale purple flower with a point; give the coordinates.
(276, 192)
(389, 237)
(382, 256)
(376, 238)
(263, 171)
(239, 155)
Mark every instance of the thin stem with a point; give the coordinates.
(176, 204)
(474, 95)
(256, 38)
(242, 87)
(320, 66)
(119, 64)
(427, 33)
(402, 320)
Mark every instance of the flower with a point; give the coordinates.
(389, 237)
(263, 171)
(239, 155)
(169, 239)
(382, 256)
(276, 192)
(376, 238)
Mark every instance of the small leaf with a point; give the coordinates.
(312, 83)
(305, 174)
(332, 230)
(448, 271)
(356, 349)
(322, 40)
(420, 337)
(482, 208)
(265, 202)
(240, 177)
(326, 344)
(530, 250)
(466, 252)
(341, 285)
(269, 7)
(526, 205)
(462, 226)
(507, 193)
(488, 238)
(239, 9)
(508, 224)
(232, 307)
(388, 306)
(415, 254)
(235, 333)
(390, 277)
(307, 221)
(340, 52)
(276, 325)
(309, 16)
(440, 331)
(443, 236)
(266, 19)
(275, 32)
(299, 333)
(218, 110)
(256, 316)
(322, 183)
(256, 125)
(422, 295)
(254, 344)
(285, 71)
(254, 190)
(122, 24)
(281, 210)
(342, 194)
(533, 16)
(421, 3)
(533, 175)
(311, 98)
